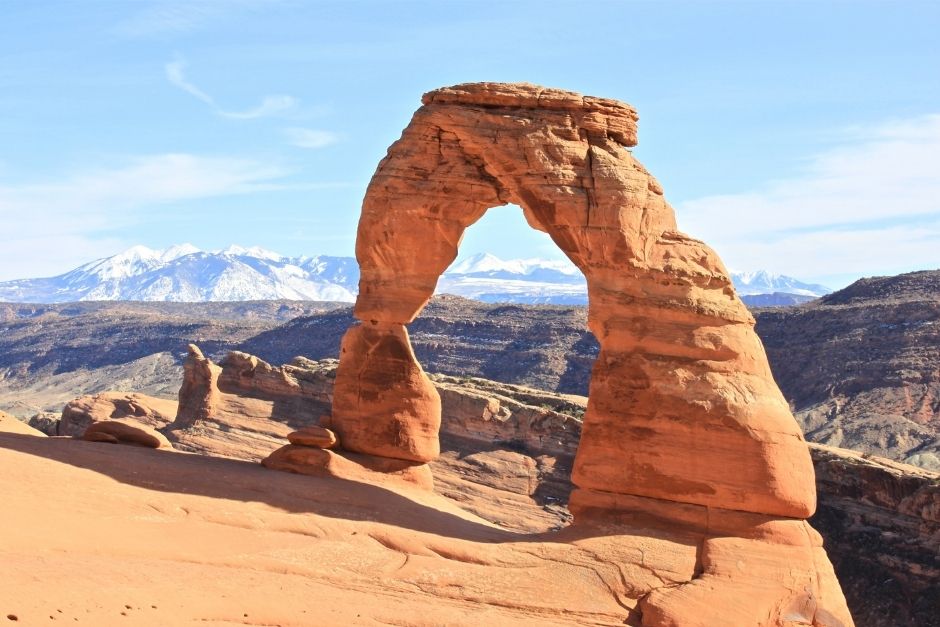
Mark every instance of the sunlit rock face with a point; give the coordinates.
(685, 425)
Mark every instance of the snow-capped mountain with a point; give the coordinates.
(488, 278)
(763, 282)
(185, 273)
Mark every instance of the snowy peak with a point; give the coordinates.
(764, 282)
(488, 263)
(255, 251)
(186, 273)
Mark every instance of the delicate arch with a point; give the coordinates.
(682, 403)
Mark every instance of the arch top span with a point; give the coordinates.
(682, 403)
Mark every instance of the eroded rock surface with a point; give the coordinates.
(245, 408)
(685, 424)
(683, 406)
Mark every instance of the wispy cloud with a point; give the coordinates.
(270, 105)
(73, 218)
(174, 74)
(310, 138)
(870, 205)
(160, 18)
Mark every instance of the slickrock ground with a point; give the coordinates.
(103, 535)
(506, 457)
(10, 424)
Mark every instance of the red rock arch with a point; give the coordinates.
(682, 403)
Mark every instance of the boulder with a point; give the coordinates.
(126, 432)
(79, 414)
(314, 436)
(305, 460)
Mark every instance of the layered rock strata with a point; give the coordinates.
(245, 407)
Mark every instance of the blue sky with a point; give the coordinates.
(798, 137)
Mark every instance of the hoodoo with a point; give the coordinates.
(684, 422)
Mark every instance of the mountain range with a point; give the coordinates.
(185, 273)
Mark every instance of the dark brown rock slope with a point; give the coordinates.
(861, 367)
(542, 346)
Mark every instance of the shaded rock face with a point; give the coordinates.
(881, 521)
(126, 431)
(683, 406)
(685, 424)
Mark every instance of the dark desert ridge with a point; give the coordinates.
(860, 367)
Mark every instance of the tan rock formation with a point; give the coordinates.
(318, 462)
(126, 431)
(246, 407)
(79, 414)
(684, 421)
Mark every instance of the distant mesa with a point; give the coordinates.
(184, 273)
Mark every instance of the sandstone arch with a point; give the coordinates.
(682, 405)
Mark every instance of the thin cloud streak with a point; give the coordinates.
(174, 74)
(869, 206)
(160, 18)
(270, 105)
(310, 138)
